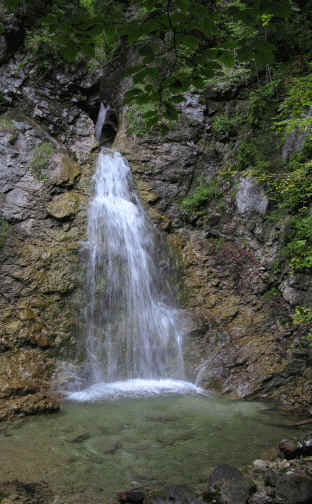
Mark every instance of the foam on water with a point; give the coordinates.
(134, 389)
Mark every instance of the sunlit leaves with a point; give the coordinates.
(178, 42)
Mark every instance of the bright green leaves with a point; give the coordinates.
(293, 109)
(181, 43)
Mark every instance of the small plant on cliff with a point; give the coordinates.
(299, 248)
(41, 155)
(7, 125)
(135, 124)
(225, 124)
(295, 109)
(205, 193)
(303, 317)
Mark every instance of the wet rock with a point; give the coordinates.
(65, 170)
(293, 489)
(229, 485)
(261, 465)
(290, 448)
(178, 494)
(63, 206)
(80, 438)
(25, 493)
(135, 496)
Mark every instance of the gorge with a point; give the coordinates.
(218, 207)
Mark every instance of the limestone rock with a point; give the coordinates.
(63, 206)
(250, 197)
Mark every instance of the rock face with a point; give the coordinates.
(45, 169)
(241, 340)
(226, 252)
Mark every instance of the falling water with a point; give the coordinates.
(100, 121)
(133, 344)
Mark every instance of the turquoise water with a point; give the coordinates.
(97, 449)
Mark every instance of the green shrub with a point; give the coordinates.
(299, 248)
(292, 110)
(225, 124)
(245, 156)
(260, 103)
(206, 192)
(7, 125)
(302, 315)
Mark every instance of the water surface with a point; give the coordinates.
(97, 449)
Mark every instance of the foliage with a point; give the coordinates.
(7, 125)
(135, 124)
(302, 315)
(270, 294)
(299, 247)
(225, 124)
(295, 109)
(181, 43)
(205, 192)
(40, 157)
(260, 103)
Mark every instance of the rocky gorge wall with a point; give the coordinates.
(45, 168)
(242, 340)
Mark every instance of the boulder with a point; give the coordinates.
(229, 485)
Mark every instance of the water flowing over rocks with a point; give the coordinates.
(241, 330)
(241, 340)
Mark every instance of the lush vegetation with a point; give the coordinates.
(204, 194)
(181, 43)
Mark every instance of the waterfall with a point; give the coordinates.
(132, 341)
(100, 121)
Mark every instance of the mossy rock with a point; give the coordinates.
(64, 206)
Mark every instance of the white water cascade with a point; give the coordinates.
(133, 341)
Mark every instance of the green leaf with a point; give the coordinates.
(70, 53)
(227, 59)
(11, 4)
(188, 41)
(183, 4)
(206, 26)
(263, 52)
(133, 70)
(146, 51)
(1, 29)
(171, 112)
(131, 95)
(177, 98)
